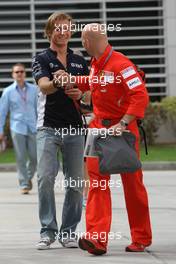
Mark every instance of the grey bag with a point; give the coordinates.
(117, 154)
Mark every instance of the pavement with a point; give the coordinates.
(19, 225)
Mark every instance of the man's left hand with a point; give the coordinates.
(73, 93)
(117, 129)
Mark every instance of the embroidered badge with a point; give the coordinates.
(128, 72)
(134, 82)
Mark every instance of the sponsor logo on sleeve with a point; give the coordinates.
(36, 67)
(128, 72)
(134, 83)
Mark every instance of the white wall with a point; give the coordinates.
(170, 33)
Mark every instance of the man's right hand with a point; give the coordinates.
(64, 79)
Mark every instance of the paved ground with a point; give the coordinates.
(19, 225)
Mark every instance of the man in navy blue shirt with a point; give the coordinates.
(57, 114)
(20, 100)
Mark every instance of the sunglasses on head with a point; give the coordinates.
(19, 72)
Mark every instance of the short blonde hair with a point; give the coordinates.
(18, 65)
(50, 24)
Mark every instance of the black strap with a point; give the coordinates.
(85, 122)
(139, 123)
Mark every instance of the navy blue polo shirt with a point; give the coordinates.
(57, 110)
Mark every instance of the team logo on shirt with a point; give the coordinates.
(79, 66)
(52, 65)
(134, 82)
(106, 76)
(129, 71)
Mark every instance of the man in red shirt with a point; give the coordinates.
(119, 98)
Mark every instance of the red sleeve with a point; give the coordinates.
(135, 87)
(82, 83)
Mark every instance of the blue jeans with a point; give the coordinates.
(72, 148)
(26, 157)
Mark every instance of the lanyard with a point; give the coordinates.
(106, 60)
(102, 66)
(23, 94)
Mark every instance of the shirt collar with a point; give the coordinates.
(102, 59)
(69, 51)
(17, 87)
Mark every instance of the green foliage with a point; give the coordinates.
(152, 121)
(159, 152)
(8, 156)
(169, 107)
(158, 113)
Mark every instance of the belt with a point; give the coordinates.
(107, 122)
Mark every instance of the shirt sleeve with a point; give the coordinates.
(39, 68)
(4, 109)
(85, 68)
(82, 82)
(135, 87)
(36, 100)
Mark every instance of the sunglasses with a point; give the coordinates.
(19, 72)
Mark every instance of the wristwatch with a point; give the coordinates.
(123, 123)
(83, 96)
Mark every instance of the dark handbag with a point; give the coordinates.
(117, 154)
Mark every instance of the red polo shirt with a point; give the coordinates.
(116, 86)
